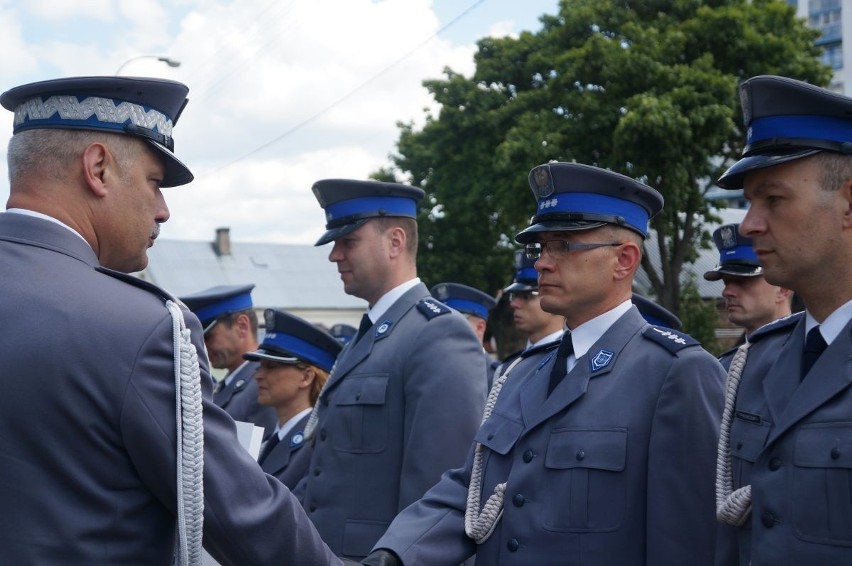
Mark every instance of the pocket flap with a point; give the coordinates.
(499, 434)
(747, 439)
(368, 390)
(583, 448)
(827, 445)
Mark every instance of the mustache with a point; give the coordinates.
(156, 231)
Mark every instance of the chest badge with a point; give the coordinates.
(601, 359)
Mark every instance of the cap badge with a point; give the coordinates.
(543, 183)
(601, 359)
(729, 238)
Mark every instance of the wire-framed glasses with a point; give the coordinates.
(560, 248)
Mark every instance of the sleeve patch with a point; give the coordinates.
(669, 339)
(431, 308)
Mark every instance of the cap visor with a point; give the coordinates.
(266, 355)
(531, 234)
(733, 270)
(335, 233)
(176, 173)
(517, 287)
(732, 179)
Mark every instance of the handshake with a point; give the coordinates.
(379, 557)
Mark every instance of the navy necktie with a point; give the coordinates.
(365, 325)
(560, 367)
(267, 448)
(814, 346)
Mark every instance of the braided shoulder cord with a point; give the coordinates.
(732, 507)
(190, 443)
(480, 525)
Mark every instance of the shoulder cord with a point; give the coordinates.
(480, 525)
(190, 443)
(311, 425)
(732, 507)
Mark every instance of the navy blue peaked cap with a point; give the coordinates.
(572, 196)
(143, 107)
(526, 277)
(736, 254)
(290, 340)
(655, 314)
(785, 120)
(350, 203)
(212, 304)
(465, 299)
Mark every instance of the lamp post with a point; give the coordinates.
(167, 60)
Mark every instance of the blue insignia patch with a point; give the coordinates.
(297, 439)
(671, 340)
(430, 308)
(601, 359)
(240, 384)
(383, 329)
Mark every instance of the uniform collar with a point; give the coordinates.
(389, 298)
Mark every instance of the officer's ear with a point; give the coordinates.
(846, 199)
(396, 240)
(96, 160)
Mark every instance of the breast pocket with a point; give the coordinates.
(822, 483)
(748, 437)
(361, 416)
(585, 483)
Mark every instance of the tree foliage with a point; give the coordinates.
(645, 88)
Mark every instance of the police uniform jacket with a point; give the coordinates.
(288, 460)
(87, 422)
(791, 440)
(614, 467)
(400, 407)
(239, 399)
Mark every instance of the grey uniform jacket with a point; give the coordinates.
(791, 440)
(87, 423)
(616, 466)
(401, 406)
(288, 461)
(239, 399)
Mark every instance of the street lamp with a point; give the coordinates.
(167, 60)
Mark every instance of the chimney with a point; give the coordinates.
(222, 245)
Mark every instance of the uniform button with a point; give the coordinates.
(768, 519)
(835, 453)
(312, 508)
(513, 544)
(774, 463)
(519, 500)
(528, 456)
(581, 454)
(491, 436)
(740, 445)
(317, 471)
(323, 434)
(358, 397)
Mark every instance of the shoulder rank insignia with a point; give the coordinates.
(671, 340)
(137, 282)
(430, 308)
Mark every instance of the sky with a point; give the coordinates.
(282, 92)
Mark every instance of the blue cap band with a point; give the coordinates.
(830, 128)
(236, 303)
(591, 203)
(466, 306)
(301, 349)
(527, 274)
(370, 206)
(738, 253)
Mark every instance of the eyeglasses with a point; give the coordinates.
(559, 248)
(522, 295)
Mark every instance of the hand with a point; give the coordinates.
(382, 557)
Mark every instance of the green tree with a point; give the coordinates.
(645, 88)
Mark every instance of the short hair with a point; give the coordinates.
(51, 152)
(229, 319)
(409, 226)
(835, 169)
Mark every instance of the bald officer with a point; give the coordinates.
(406, 395)
(103, 457)
(476, 306)
(230, 331)
(604, 453)
(785, 448)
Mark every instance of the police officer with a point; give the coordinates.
(786, 470)
(294, 360)
(113, 369)
(230, 330)
(475, 305)
(604, 453)
(750, 300)
(406, 395)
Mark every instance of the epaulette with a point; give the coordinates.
(784, 324)
(671, 340)
(137, 282)
(430, 308)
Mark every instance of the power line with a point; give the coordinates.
(352, 92)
